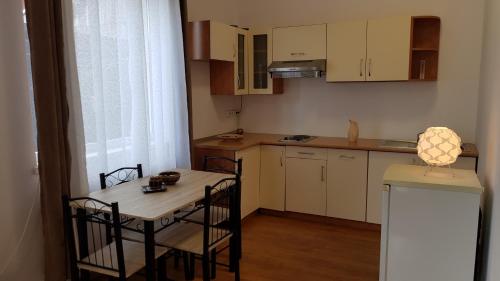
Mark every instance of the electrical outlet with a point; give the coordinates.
(232, 113)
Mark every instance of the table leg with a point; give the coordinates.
(149, 241)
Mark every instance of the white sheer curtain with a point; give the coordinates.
(129, 60)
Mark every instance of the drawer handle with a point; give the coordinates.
(298, 54)
(370, 67)
(347, 157)
(361, 67)
(305, 153)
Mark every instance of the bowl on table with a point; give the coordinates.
(170, 177)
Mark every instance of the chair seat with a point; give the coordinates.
(133, 254)
(220, 214)
(188, 237)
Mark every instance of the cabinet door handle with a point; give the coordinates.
(347, 157)
(281, 160)
(361, 67)
(370, 67)
(322, 173)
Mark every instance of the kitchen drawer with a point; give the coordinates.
(306, 152)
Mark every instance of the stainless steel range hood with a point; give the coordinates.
(297, 69)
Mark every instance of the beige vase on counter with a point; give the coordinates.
(353, 132)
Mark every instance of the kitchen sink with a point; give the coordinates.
(297, 138)
(398, 144)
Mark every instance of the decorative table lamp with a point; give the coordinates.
(439, 146)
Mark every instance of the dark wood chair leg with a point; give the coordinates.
(237, 270)
(192, 265)
(213, 260)
(233, 253)
(177, 254)
(162, 269)
(187, 266)
(206, 267)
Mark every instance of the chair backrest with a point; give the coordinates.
(221, 204)
(222, 165)
(86, 222)
(120, 176)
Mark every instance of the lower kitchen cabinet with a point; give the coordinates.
(272, 177)
(378, 164)
(250, 180)
(346, 188)
(306, 186)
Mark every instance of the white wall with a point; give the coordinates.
(21, 240)
(209, 113)
(488, 137)
(384, 110)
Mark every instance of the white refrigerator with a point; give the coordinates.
(429, 224)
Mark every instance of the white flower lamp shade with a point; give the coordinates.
(439, 146)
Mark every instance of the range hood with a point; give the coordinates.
(297, 69)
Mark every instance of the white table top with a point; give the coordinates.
(132, 202)
(439, 178)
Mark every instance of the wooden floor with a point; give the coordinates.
(285, 249)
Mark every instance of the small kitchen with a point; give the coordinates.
(283, 140)
(319, 103)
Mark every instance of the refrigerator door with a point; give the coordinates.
(384, 231)
(431, 235)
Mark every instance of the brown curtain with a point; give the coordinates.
(46, 38)
(187, 66)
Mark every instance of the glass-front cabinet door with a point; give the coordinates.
(241, 62)
(260, 57)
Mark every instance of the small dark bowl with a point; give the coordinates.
(155, 182)
(170, 177)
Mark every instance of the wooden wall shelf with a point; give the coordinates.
(424, 53)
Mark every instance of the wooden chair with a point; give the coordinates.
(90, 250)
(226, 166)
(117, 177)
(120, 176)
(202, 238)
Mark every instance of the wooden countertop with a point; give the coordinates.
(252, 139)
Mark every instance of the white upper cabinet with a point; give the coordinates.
(388, 49)
(346, 54)
(241, 65)
(374, 50)
(222, 42)
(299, 43)
(260, 53)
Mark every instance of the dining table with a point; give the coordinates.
(133, 203)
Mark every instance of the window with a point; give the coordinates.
(130, 66)
(30, 84)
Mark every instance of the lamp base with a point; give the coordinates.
(442, 173)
